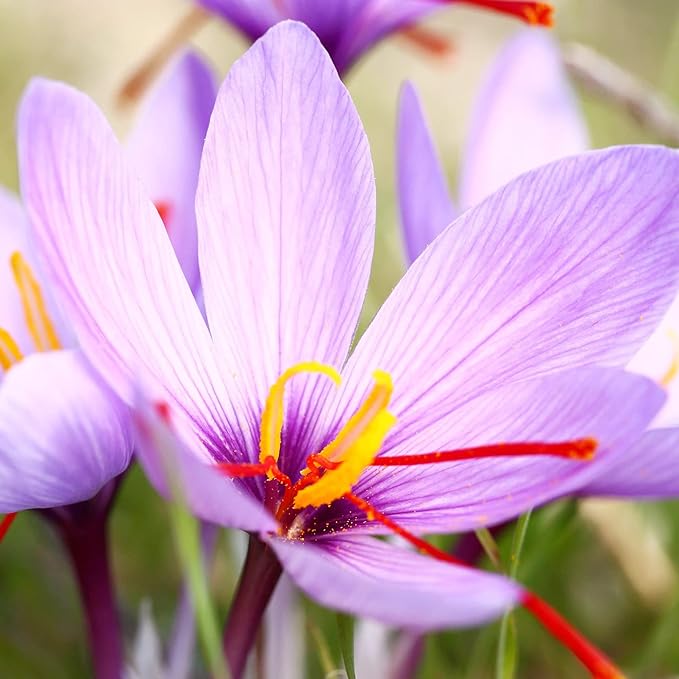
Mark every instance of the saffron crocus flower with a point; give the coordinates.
(525, 116)
(484, 348)
(63, 433)
(348, 28)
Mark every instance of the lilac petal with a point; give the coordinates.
(525, 116)
(371, 578)
(608, 404)
(284, 633)
(571, 264)
(14, 237)
(424, 200)
(63, 434)
(165, 148)
(286, 213)
(658, 358)
(209, 494)
(252, 17)
(648, 469)
(108, 251)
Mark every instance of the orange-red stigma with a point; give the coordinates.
(164, 208)
(6, 523)
(534, 13)
(578, 449)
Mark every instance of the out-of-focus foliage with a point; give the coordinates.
(94, 46)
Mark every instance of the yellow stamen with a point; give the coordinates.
(672, 371)
(272, 417)
(355, 446)
(35, 310)
(9, 350)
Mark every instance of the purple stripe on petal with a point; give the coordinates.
(608, 404)
(286, 212)
(368, 577)
(571, 264)
(165, 147)
(424, 200)
(646, 469)
(525, 116)
(108, 252)
(63, 434)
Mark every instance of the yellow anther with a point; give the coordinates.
(355, 446)
(272, 417)
(672, 371)
(35, 310)
(9, 350)
(378, 399)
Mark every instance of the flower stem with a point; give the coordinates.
(86, 542)
(256, 585)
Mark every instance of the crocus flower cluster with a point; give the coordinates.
(488, 383)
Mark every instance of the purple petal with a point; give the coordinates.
(14, 237)
(63, 434)
(286, 212)
(525, 116)
(371, 578)
(208, 493)
(348, 28)
(252, 17)
(165, 148)
(658, 359)
(608, 404)
(108, 251)
(569, 265)
(647, 469)
(424, 200)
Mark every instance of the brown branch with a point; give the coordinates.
(605, 79)
(135, 86)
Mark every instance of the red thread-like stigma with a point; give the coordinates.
(579, 449)
(534, 13)
(6, 523)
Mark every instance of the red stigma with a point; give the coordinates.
(578, 449)
(534, 13)
(165, 211)
(6, 523)
(599, 666)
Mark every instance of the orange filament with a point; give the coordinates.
(9, 351)
(436, 45)
(534, 13)
(165, 211)
(35, 310)
(579, 449)
(599, 666)
(6, 523)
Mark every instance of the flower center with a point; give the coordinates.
(37, 319)
(331, 474)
